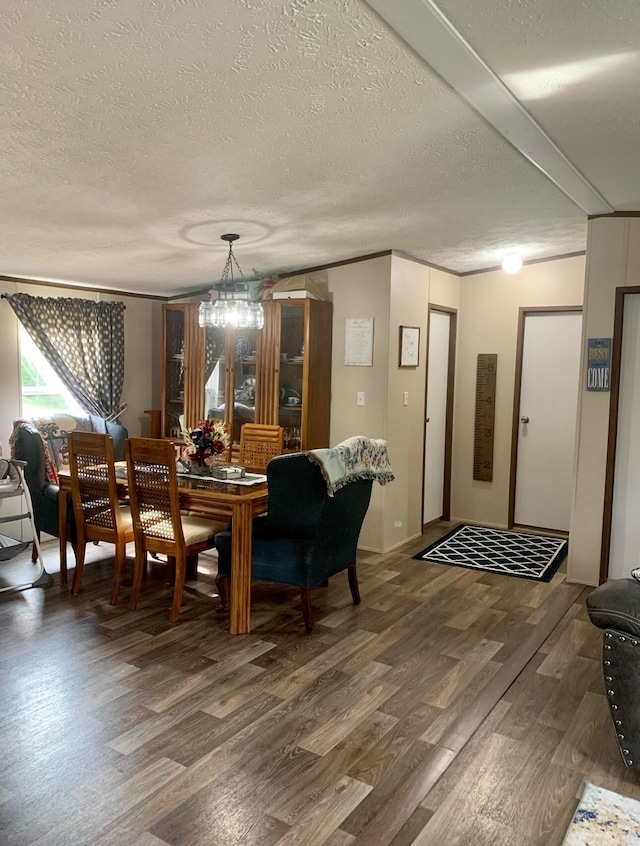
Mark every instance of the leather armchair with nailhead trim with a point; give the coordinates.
(615, 607)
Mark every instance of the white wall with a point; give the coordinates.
(394, 291)
(409, 305)
(613, 250)
(488, 323)
(361, 289)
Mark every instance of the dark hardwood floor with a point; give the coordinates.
(450, 707)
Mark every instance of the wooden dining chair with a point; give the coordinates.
(99, 516)
(158, 524)
(259, 443)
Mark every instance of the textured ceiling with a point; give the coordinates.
(135, 134)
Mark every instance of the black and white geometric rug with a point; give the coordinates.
(499, 551)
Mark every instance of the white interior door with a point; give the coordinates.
(624, 550)
(547, 419)
(436, 428)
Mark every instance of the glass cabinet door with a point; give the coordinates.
(291, 374)
(230, 376)
(243, 344)
(174, 373)
(215, 365)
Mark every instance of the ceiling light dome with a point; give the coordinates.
(512, 263)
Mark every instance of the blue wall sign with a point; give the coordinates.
(598, 364)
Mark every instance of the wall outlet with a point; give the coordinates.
(405, 398)
(360, 398)
(397, 524)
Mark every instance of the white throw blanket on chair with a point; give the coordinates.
(356, 458)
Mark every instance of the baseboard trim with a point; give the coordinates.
(390, 548)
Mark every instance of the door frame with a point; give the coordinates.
(448, 438)
(523, 311)
(612, 439)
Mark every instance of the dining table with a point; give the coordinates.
(209, 498)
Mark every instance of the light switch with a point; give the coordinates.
(405, 398)
(360, 400)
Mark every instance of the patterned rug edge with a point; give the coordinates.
(604, 817)
(550, 568)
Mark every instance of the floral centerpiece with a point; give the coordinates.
(204, 443)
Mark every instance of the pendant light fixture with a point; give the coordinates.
(232, 305)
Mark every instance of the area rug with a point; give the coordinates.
(604, 818)
(519, 554)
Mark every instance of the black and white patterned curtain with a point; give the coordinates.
(83, 341)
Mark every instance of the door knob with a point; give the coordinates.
(524, 419)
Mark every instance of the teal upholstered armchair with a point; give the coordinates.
(28, 444)
(306, 535)
(29, 447)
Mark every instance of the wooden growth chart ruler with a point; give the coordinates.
(484, 425)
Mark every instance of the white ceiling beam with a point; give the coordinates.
(424, 28)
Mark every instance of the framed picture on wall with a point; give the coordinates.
(409, 346)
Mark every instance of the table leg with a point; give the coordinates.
(62, 532)
(240, 599)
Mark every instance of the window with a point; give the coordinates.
(43, 394)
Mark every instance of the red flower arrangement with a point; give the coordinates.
(206, 441)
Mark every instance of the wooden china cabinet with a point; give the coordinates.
(279, 374)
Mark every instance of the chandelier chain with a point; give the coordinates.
(229, 309)
(227, 271)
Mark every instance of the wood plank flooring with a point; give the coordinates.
(450, 707)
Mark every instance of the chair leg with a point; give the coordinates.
(171, 570)
(63, 564)
(34, 550)
(180, 569)
(305, 595)
(192, 567)
(353, 584)
(138, 569)
(222, 584)
(81, 548)
(121, 549)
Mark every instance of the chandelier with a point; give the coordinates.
(232, 305)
